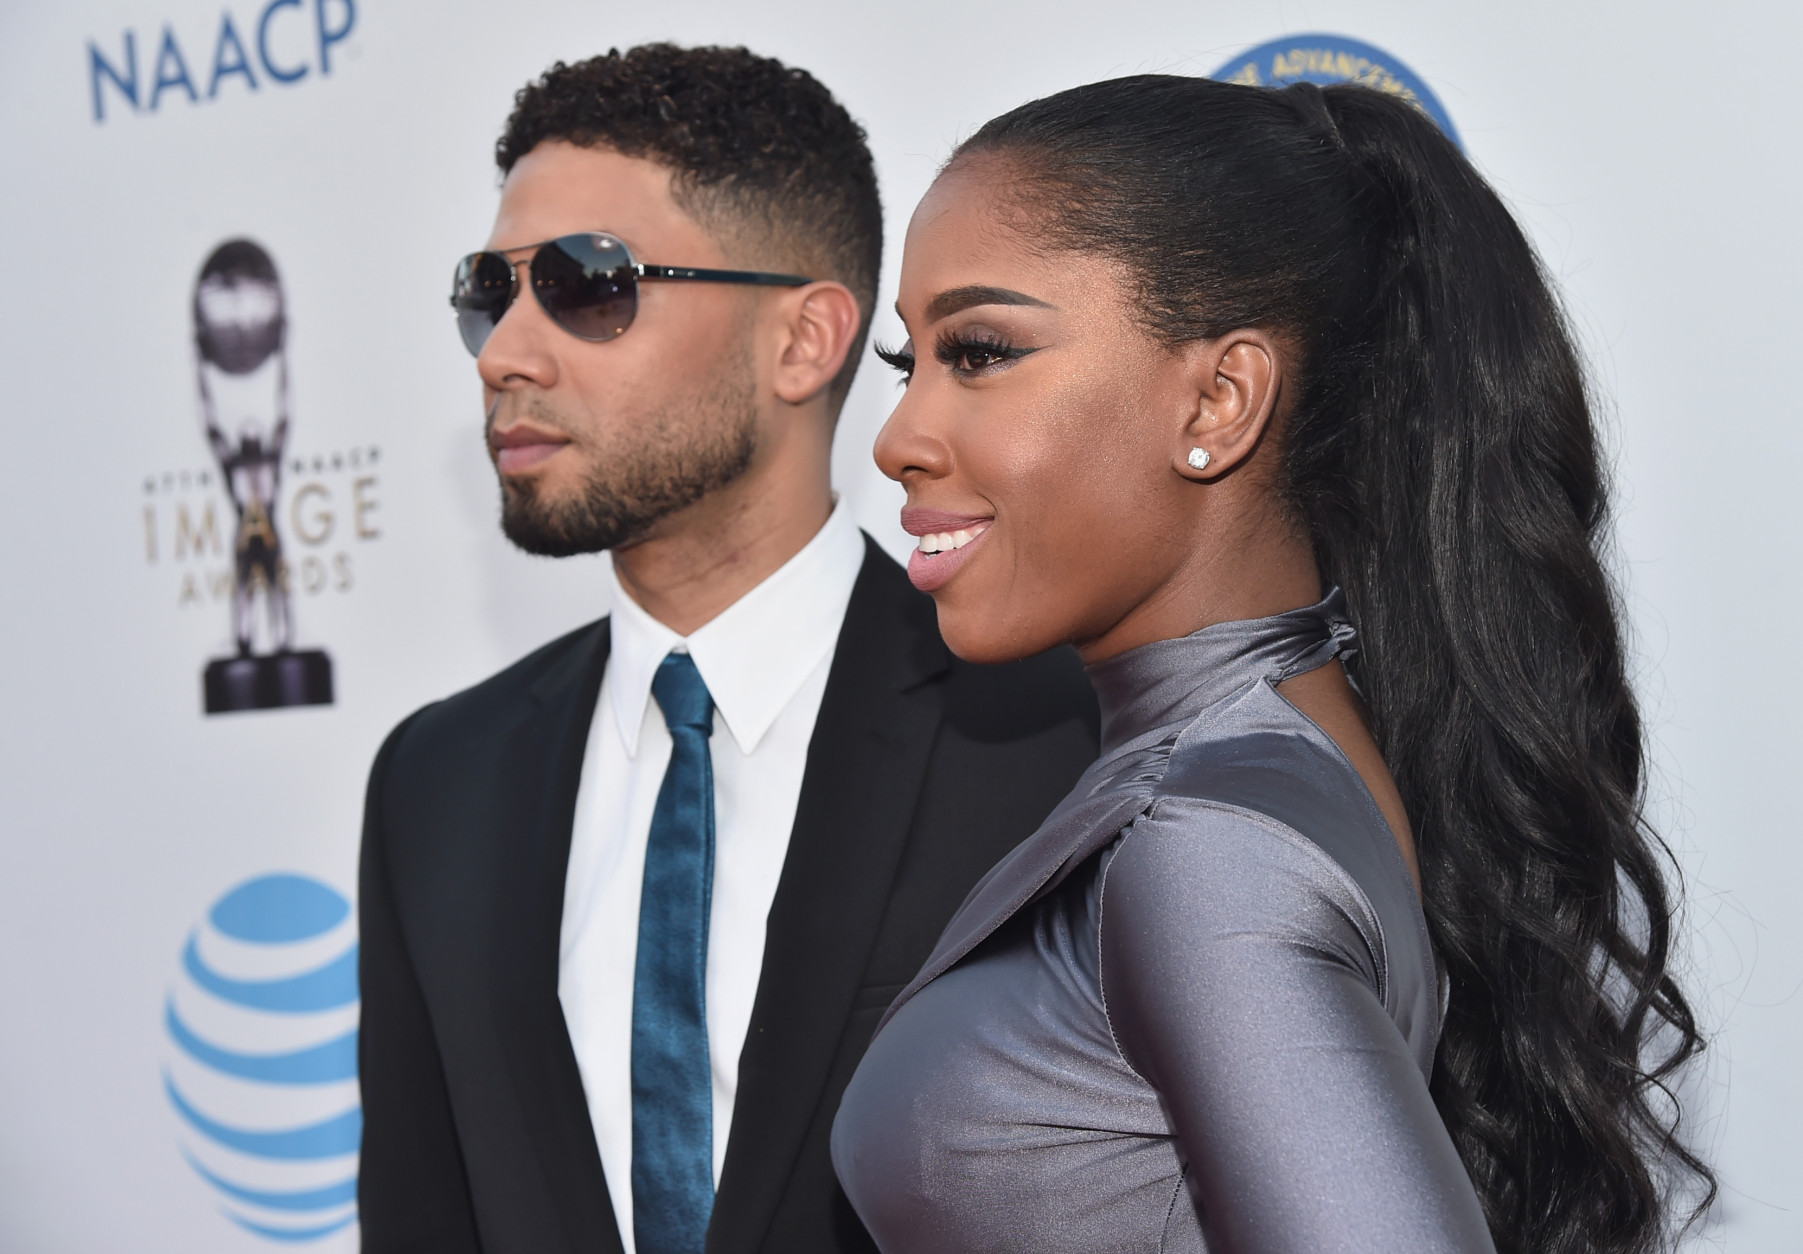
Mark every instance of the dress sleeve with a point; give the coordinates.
(1244, 977)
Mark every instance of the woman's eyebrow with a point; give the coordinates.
(950, 302)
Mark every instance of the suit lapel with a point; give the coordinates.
(866, 762)
(541, 771)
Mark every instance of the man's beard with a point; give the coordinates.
(678, 457)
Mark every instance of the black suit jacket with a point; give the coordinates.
(922, 772)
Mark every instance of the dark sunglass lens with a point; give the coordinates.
(586, 285)
(481, 290)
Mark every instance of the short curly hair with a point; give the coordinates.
(762, 155)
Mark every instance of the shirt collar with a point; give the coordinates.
(756, 654)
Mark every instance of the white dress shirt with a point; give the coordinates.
(765, 661)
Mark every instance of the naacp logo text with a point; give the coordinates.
(280, 44)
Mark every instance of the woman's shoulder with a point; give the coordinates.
(1257, 754)
(1260, 822)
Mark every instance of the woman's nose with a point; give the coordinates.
(908, 447)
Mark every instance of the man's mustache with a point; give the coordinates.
(531, 417)
(528, 409)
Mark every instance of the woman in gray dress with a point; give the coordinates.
(1354, 938)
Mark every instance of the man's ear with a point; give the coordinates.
(1234, 382)
(818, 324)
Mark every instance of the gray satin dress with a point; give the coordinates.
(1195, 1011)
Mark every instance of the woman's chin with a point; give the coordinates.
(983, 638)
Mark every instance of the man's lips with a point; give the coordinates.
(946, 542)
(522, 446)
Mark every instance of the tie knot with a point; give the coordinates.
(682, 695)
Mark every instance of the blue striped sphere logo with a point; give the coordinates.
(262, 1064)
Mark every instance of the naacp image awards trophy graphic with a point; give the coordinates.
(240, 339)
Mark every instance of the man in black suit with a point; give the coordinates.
(632, 907)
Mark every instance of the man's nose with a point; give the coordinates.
(521, 350)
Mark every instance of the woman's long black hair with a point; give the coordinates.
(1439, 448)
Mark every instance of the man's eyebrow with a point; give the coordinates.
(950, 302)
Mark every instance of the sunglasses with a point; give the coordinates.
(588, 284)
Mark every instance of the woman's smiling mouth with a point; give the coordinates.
(946, 542)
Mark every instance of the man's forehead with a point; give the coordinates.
(559, 188)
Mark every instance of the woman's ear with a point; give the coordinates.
(1234, 382)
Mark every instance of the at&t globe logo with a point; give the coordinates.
(262, 1064)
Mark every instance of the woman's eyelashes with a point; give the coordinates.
(971, 352)
(899, 359)
(966, 353)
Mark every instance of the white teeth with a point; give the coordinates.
(946, 541)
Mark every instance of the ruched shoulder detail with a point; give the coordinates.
(1243, 975)
(1228, 874)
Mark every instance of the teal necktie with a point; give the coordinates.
(672, 1082)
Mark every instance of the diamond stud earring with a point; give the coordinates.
(1199, 459)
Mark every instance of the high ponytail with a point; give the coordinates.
(1440, 451)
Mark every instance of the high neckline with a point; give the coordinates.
(1165, 684)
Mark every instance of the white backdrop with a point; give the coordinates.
(1650, 147)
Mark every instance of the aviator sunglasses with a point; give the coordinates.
(587, 283)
